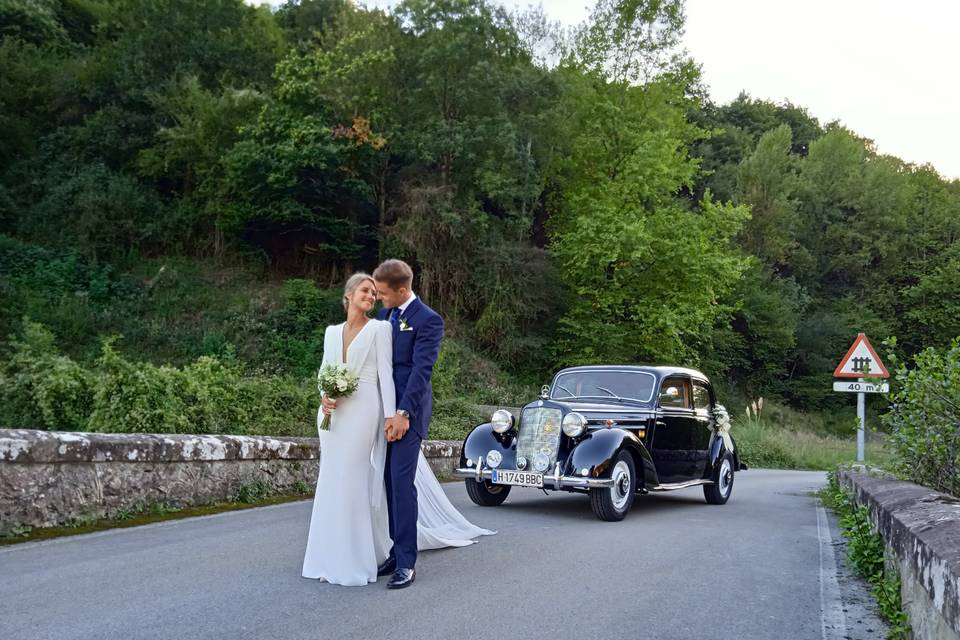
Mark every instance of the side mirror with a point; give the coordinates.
(545, 392)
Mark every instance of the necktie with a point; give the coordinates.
(395, 317)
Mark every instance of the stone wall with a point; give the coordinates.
(921, 529)
(48, 478)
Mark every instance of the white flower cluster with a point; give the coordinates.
(336, 381)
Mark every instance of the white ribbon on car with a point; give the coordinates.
(722, 426)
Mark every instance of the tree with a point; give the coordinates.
(622, 239)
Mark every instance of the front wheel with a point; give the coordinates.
(612, 503)
(719, 492)
(486, 494)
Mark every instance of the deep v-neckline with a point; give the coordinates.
(344, 347)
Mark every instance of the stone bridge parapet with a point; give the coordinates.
(50, 478)
(921, 530)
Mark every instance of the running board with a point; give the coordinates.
(680, 485)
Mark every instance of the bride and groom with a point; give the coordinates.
(377, 499)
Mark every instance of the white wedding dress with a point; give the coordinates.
(349, 529)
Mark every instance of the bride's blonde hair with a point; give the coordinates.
(353, 282)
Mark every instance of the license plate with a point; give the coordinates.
(519, 478)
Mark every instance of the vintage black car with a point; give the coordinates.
(611, 432)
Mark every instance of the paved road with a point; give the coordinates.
(676, 568)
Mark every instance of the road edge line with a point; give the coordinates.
(833, 622)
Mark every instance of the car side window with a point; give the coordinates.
(675, 393)
(701, 397)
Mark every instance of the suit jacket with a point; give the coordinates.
(416, 345)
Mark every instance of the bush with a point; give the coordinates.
(41, 389)
(453, 419)
(296, 328)
(462, 374)
(207, 396)
(924, 418)
(101, 213)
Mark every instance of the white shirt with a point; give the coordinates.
(406, 304)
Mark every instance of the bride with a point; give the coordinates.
(349, 529)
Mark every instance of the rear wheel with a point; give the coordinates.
(485, 493)
(719, 492)
(613, 503)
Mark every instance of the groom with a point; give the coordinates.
(417, 332)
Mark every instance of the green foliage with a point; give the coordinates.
(31, 20)
(104, 214)
(924, 416)
(462, 374)
(296, 328)
(453, 419)
(251, 492)
(41, 389)
(780, 438)
(139, 510)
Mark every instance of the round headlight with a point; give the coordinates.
(541, 461)
(573, 424)
(502, 421)
(494, 458)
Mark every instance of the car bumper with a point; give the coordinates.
(550, 481)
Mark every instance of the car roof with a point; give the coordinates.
(660, 371)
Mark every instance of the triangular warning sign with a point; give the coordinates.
(861, 359)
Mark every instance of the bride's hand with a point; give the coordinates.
(329, 405)
(388, 429)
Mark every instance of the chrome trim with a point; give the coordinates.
(680, 485)
(479, 470)
(558, 481)
(646, 414)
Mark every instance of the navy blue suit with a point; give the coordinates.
(416, 344)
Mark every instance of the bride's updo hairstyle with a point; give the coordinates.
(353, 282)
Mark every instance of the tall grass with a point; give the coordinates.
(781, 438)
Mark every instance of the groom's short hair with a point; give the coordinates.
(396, 273)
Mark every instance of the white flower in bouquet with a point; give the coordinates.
(335, 381)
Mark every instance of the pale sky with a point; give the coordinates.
(886, 70)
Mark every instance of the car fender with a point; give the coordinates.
(718, 449)
(483, 439)
(597, 451)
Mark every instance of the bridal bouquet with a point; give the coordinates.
(335, 381)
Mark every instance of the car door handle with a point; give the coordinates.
(660, 423)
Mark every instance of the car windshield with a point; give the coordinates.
(604, 383)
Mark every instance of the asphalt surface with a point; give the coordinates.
(760, 566)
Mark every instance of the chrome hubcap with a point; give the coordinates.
(620, 490)
(726, 477)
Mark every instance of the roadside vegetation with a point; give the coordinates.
(865, 550)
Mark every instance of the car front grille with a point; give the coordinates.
(539, 432)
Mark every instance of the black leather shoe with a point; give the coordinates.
(401, 578)
(389, 566)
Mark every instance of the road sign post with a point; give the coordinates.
(862, 415)
(860, 362)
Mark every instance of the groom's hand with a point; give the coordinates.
(400, 426)
(329, 404)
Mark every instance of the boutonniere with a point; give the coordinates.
(404, 326)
